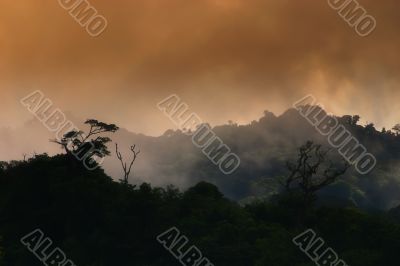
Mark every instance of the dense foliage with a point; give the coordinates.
(264, 147)
(97, 221)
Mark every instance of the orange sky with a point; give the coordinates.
(228, 59)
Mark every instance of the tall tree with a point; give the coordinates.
(313, 170)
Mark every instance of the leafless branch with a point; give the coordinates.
(127, 170)
(307, 173)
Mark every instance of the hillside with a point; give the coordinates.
(263, 146)
(97, 221)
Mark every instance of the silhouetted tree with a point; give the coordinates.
(370, 128)
(92, 213)
(313, 170)
(396, 129)
(3, 166)
(125, 168)
(350, 119)
(355, 119)
(347, 119)
(79, 143)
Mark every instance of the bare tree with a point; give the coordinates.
(125, 168)
(313, 170)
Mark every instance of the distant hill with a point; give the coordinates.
(263, 146)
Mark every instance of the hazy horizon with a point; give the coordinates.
(229, 60)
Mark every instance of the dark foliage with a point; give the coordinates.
(91, 143)
(97, 221)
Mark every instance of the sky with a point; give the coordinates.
(226, 59)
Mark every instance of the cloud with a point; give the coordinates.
(229, 59)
